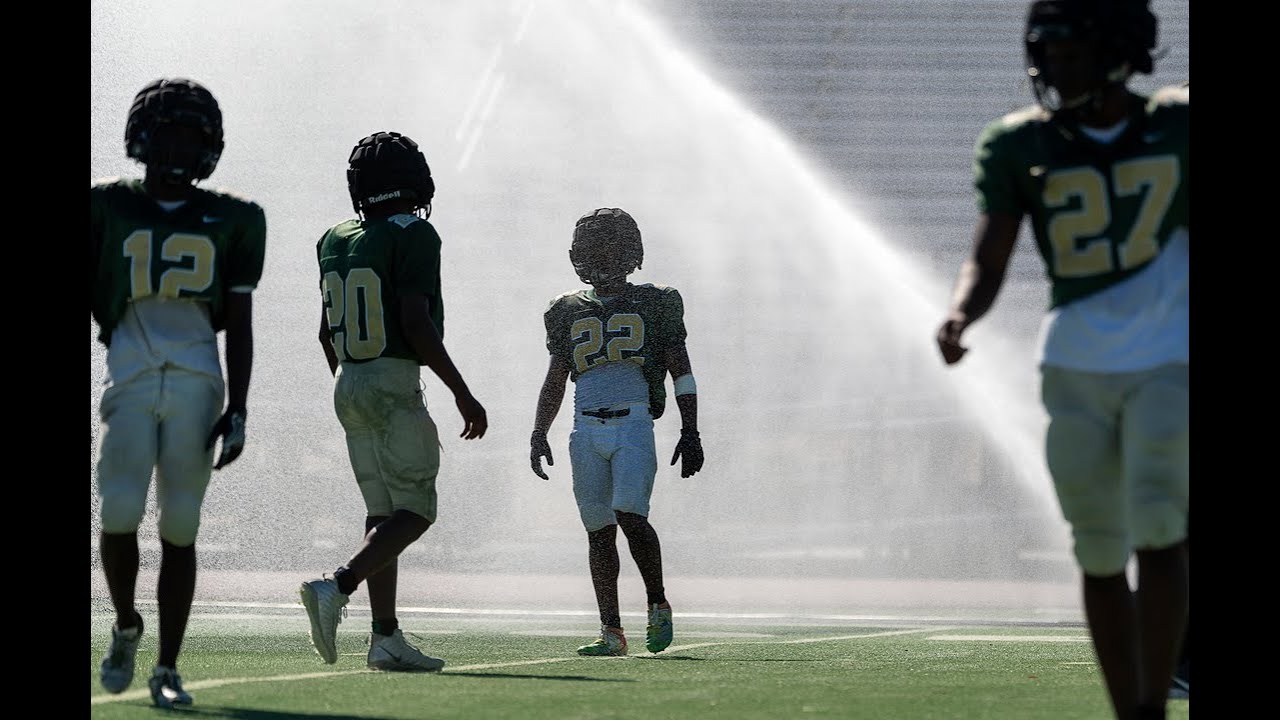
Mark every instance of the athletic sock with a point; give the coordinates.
(346, 583)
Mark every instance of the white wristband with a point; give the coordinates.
(685, 385)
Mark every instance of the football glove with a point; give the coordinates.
(689, 452)
(230, 427)
(538, 449)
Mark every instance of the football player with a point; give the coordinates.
(617, 342)
(172, 265)
(1102, 173)
(381, 319)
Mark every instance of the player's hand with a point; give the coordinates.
(230, 427)
(475, 420)
(949, 340)
(689, 451)
(538, 449)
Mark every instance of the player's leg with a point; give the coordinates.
(409, 455)
(1155, 435)
(592, 490)
(396, 451)
(647, 553)
(1180, 686)
(604, 564)
(376, 559)
(1162, 613)
(376, 562)
(381, 585)
(126, 457)
(324, 602)
(646, 550)
(1083, 456)
(191, 405)
(633, 466)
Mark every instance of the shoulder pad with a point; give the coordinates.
(1171, 95)
(231, 195)
(562, 297)
(1024, 116)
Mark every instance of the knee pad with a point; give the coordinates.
(121, 512)
(1101, 555)
(597, 517)
(1160, 526)
(180, 520)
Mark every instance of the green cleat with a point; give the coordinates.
(657, 635)
(611, 642)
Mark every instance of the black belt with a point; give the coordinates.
(605, 414)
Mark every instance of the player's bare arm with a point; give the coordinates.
(689, 446)
(979, 280)
(549, 399)
(95, 257)
(326, 341)
(239, 352)
(415, 318)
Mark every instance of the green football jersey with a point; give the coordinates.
(213, 242)
(366, 267)
(1099, 212)
(638, 326)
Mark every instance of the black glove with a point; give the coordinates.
(689, 449)
(230, 427)
(538, 449)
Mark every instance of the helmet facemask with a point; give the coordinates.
(178, 153)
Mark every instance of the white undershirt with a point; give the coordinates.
(1106, 135)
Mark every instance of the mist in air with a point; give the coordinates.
(837, 444)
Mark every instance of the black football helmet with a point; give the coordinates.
(168, 103)
(389, 166)
(606, 246)
(1122, 34)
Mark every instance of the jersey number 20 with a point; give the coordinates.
(359, 328)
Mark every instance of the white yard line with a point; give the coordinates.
(205, 684)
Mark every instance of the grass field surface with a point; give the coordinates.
(255, 662)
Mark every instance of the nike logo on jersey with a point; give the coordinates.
(210, 219)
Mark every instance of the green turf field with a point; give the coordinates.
(257, 664)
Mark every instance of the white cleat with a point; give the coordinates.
(393, 653)
(326, 606)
